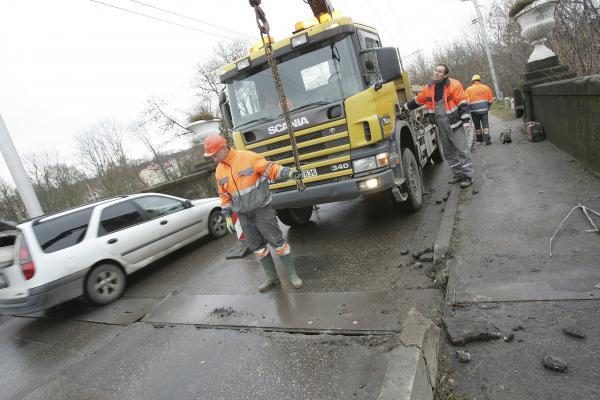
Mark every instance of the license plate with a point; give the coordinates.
(309, 172)
(3, 282)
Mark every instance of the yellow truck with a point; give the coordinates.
(344, 92)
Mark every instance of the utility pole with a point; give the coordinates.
(22, 182)
(486, 46)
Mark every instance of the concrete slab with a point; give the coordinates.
(334, 312)
(183, 362)
(425, 335)
(516, 278)
(124, 311)
(407, 377)
(33, 351)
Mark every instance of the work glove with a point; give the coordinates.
(230, 226)
(294, 174)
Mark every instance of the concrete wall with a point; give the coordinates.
(196, 186)
(569, 111)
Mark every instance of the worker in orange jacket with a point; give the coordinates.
(480, 99)
(243, 183)
(446, 104)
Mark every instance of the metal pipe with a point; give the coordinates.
(15, 166)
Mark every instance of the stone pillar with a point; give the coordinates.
(536, 19)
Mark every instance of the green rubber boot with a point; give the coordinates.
(268, 265)
(292, 275)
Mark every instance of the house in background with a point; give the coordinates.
(154, 175)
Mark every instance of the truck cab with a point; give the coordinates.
(344, 92)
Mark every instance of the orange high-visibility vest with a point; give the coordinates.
(455, 101)
(480, 97)
(243, 181)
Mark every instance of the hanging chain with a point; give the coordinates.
(263, 27)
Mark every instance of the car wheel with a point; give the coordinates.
(413, 186)
(295, 216)
(105, 283)
(217, 226)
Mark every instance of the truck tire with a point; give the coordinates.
(413, 186)
(438, 154)
(295, 216)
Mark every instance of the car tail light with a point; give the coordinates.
(25, 261)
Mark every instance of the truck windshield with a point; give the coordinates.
(323, 75)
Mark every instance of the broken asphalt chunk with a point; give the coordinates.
(509, 338)
(462, 330)
(463, 356)
(554, 363)
(573, 331)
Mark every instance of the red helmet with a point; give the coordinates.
(213, 143)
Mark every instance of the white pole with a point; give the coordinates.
(24, 187)
(487, 51)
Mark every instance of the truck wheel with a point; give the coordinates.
(295, 216)
(105, 283)
(413, 186)
(438, 153)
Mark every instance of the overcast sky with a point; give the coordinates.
(65, 64)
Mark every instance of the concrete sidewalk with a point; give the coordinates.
(505, 285)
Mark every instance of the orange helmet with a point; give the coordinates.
(213, 143)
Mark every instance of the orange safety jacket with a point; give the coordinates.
(480, 98)
(455, 101)
(243, 181)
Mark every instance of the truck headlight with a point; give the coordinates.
(364, 164)
(382, 160)
(369, 163)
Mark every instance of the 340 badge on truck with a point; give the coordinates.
(340, 166)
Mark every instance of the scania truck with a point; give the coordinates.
(344, 92)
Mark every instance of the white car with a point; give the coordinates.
(89, 250)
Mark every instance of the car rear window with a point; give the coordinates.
(62, 232)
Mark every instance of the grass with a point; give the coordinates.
(500, 110)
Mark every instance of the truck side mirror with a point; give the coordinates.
(389, 63)
(225, 110)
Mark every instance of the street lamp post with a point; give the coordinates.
(22, 182)
(488, 53)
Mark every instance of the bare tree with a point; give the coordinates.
(101, 148)
(56, 184)
(207, 74)
(576, 36)
(11, 206)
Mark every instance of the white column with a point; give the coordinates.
(13, 161)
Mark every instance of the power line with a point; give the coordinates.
(400, 25)
(393, 37)
(162, 20)
(193, 19)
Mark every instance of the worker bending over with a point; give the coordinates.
(243, 183)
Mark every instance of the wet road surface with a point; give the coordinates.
(193, 326)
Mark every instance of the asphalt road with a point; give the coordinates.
(193, 326)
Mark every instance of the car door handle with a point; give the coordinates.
(113, 240)
(164, 222)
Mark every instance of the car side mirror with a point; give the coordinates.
(188, 204)
(225, 110)
(389, 63)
